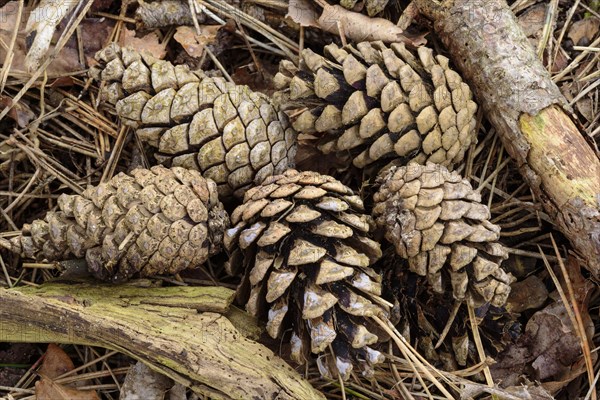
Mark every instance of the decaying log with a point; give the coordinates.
(190, 334)
(529, 114)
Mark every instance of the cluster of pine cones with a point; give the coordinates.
(302, 241)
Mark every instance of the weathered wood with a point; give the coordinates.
(160, 327)
(529, 113)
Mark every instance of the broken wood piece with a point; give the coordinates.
(160, 327)
(529, 113)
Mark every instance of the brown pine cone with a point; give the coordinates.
(373, 104)
(425, 318)
(302, 239)
(435, 219)
(157, 221)
(231, 134)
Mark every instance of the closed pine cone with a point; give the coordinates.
(435, 219)
(157, 221)
(302, 239)
(372, 104)
(231, 134)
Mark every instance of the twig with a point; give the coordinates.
(61, 43)
(8, 59)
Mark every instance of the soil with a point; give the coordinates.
(22, 355)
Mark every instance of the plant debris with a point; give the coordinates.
(63, 134)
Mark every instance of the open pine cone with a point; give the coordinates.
(435, 219)
(373, 104)
(157, 221)
(303, 241)
(426, 318)
(231, 134)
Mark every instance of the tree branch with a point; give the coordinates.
(160, 327)
(529, 114)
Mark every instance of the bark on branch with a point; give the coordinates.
(528, 112)
(189, 334)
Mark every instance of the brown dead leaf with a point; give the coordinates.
(149, 43)
(549, 351)
(47, 389)
(545, 351)
(586, 108)
(583, 32)
(194, 44)
(358, 27)
(560, 62)
(93, 35)
(302, 12)
(142, 382)
(582, 287)
(553, 342)
(20, 113)
(56, 362)
(532, 21)
(527, 294)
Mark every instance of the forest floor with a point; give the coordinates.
(54, 139)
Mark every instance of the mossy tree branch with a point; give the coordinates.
(184, 332)
(529, 113)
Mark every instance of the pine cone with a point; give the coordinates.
(435, 219)
(231, 134)
(157, 221)
(373, 104)
(302, 239)
(373, 7)
(423, 319)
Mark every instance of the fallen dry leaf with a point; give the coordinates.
(582, 287)
(20, 112)
(583, 32)
(547, 349)
(56, 362)
(358, 27)
(527, 294)
(149, 43)
(550, 350)
(47, 389)
(302, 12)
(194, 43)
(93, 34)
(532, 21)
(586, 108)
(142, 382)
